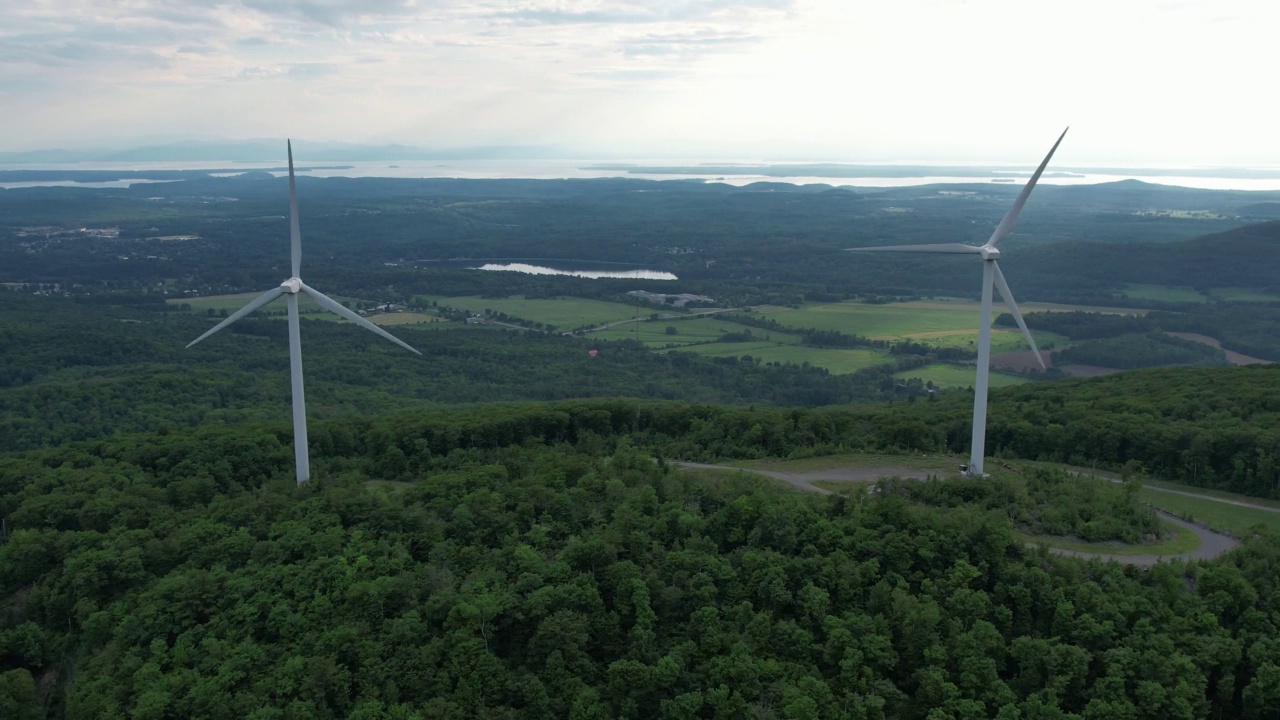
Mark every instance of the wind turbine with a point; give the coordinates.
(991, 276)
(290, 289)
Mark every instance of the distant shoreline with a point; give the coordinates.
(861, 176)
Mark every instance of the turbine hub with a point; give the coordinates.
(989, 253)
(293, 285)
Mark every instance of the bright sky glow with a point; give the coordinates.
(1156, 82)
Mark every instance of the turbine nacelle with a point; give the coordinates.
(293, 285)
(988, 253)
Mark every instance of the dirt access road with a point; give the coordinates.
(1211, 545)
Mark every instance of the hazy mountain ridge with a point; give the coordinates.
(272, 150)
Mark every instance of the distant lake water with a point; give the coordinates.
(640, 274)
(582, 169)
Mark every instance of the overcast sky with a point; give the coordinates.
(1140, 81)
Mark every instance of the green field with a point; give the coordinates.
(1002, 340)
(1239, 520)
(899, 320)
(1243, 295)
(957, 376)
(940, 323)
(1218, 494)
(566, 313)
(1178, 540)
(693, 330)
(405, 318)
(838, 361)
(939, 463)
(1164, 293)
(231, 303)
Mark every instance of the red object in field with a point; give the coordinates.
(593, 352)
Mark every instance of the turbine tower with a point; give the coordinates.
(290, 289)
(991, 276)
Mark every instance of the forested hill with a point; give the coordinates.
(214, 232)
(537, 562)
(1242, 257)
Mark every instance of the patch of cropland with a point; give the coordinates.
(73, 371)
(946, 376)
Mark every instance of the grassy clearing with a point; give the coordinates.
(1155, 485)
(897, 320)
(941, 323)
(695, 330)
(1217, 494)
(1002, 340)
(565, 313)
(231, 303)
(405, 318)
(1239, 520)
(1178, 540)
(1165, 293)
(839, 362)
(388, 488)
(956, 376)
(1223, 515)
(939, 463)
(740, 477)
(1243, 295)
(1026, 307)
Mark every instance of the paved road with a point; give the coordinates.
(1197, 496)
(1211, 545)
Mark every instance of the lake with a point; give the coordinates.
(715, 172)
(637, 274)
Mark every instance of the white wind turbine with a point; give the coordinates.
(991, 275)
(290, 288)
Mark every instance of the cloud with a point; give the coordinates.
(658, 11)
(333, 13)
(679, 44)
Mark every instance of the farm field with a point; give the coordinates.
(1165, 293)
(1170, 293)
(953, 323)
(897, 320)
(837, 361)
(231, 303)
(1003, 340)
(404, 318)
(1243, 295)
(566, 313)
(956, 376)
(694, 330)
(998, 307)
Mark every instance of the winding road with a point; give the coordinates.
(1211, 545)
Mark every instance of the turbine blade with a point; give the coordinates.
(1005, 293)
(295, 234)
(948, 249)
(1012, 216)
(254, 304)
(336, 308)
